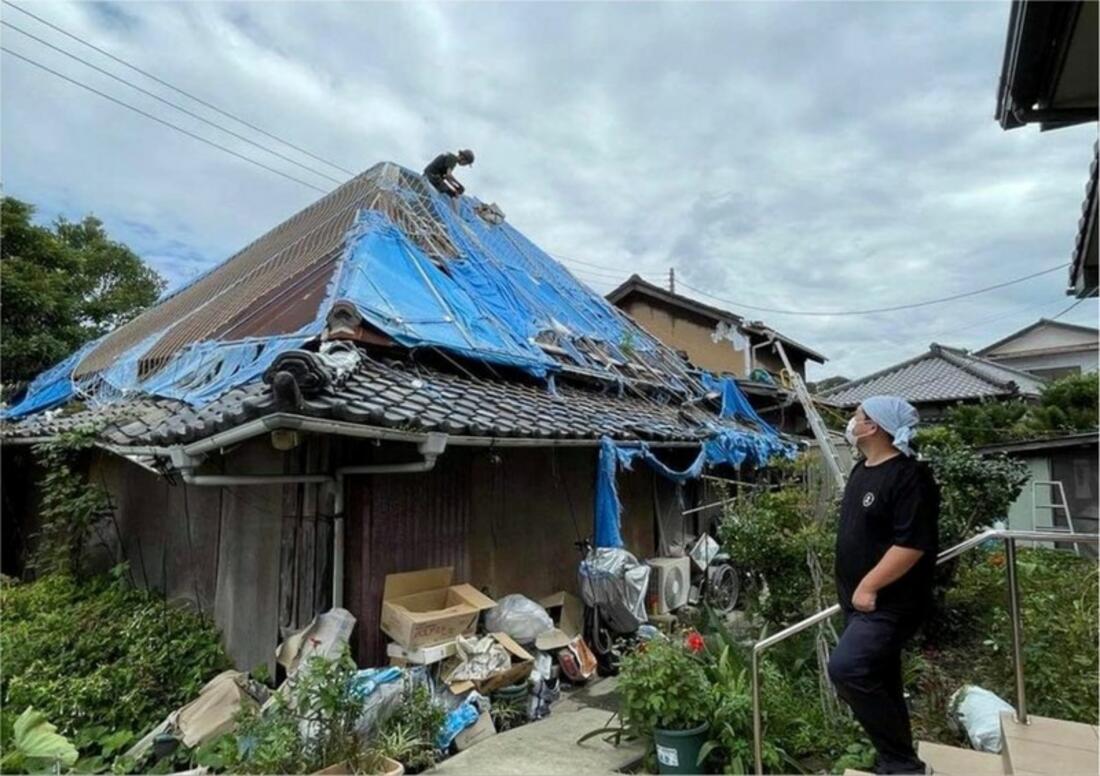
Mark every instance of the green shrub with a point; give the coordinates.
(767, 536)
(1058, 593)
(99, 659)
(408, 735)
(663, 686)
(974, 490)
(1066, 406)
(310, 724)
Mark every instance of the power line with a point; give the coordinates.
(1083, 298)
(873, 310)
(171, 104)
(178, 90)
(168, 124)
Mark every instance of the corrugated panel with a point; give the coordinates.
(397, 523)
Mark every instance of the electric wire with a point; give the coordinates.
(159, 120)
(171, 104)
(177, 89)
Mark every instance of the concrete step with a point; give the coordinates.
(956, 761)
(1049, 747)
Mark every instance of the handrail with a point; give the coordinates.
(1010, 538)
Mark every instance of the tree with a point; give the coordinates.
(62, 286)
(1066, 406)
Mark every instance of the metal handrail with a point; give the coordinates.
(1010, 538)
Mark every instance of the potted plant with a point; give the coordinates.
(666, 697)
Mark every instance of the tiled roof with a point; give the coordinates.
(941, 374)
(401, 395)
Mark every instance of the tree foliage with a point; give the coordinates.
(63, 286)
(1066, 406)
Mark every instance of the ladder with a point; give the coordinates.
(817, 425)
(1056, 502)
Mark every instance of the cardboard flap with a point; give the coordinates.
(398, 585)
(511, 646)
(474, 597)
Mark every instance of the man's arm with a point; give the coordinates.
(891, 568)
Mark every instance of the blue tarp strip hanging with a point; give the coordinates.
(726, 446)
(734, 403)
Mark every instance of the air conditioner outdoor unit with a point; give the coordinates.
(669, 583)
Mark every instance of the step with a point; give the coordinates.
(1049, 747)
(956, 761)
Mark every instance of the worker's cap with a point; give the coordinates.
(466, 156)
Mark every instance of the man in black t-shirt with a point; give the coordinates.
(886, 550)
(439, 172)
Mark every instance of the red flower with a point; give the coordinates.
(694, 642)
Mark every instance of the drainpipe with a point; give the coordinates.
(754, 348)
(431, 448)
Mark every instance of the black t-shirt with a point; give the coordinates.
(442, 165)
(896, 502)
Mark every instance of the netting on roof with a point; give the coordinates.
(426, 270)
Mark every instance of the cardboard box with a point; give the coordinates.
(477, 732)
(423, 608)
(522, 663)
(422, 656)
(567, 612)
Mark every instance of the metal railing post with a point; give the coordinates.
(757, 725)
(1010, 537)
(1017, 635)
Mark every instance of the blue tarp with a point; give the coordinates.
(728, 446)
(489, 303)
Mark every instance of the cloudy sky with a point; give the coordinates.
(796, 156)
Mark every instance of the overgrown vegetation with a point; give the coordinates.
(310, 724)
(99, 659)
(72, 507)
(1066, 406)
(771, 535)
(768, 534)
(975, 490)
(409, 734)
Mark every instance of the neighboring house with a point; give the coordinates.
(387, 381)
(1060, 466)
(1048, 349)
(1049, 78)
(709, 337)
(937, 380)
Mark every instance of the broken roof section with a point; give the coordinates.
(395, 263)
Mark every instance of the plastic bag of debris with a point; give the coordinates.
(519, 617)
(477, 659)
(613, 580)
(978, 712)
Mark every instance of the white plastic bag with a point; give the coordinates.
(978, 711)
(519, 617)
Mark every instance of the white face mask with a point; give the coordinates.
(850, 433)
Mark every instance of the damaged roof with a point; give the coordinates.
(942, 374)
(384, 304)
(396, 394)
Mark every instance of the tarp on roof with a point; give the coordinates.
(495, 300)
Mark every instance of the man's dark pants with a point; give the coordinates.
(866, 669)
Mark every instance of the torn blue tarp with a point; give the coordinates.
(499, 299)
(728, 446)
(734, 403)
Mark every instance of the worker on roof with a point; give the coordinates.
(440, 169)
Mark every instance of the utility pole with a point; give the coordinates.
(672, 280)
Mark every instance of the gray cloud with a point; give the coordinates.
(791, 155)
